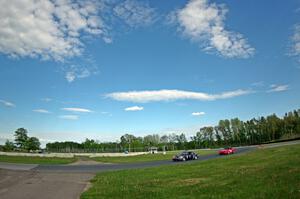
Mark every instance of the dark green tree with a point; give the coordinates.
(32, 144)
(8, 146)
(21, 138)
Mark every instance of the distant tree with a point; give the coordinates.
(218, 135)
(236, 127)
(21, 138)
(151, 140)
(199, 139)
(172, 140)
(8, 146)
(274, 126)
(181, 140)
(32, 143)
(126, 141)
(206, 136)
(90, 145)
(164, 139)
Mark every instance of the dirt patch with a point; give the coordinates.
(83, 160)
(89, 162)
(189, 181)
(36, 185)
(294, 170)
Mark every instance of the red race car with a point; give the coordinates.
(227, 151)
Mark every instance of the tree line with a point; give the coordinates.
(128, 142)
(22, 142)
(235, 132)
(228, 132)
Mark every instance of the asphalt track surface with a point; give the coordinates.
(29, 181)
(25, 181)
(111, 167)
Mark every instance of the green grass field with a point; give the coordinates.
(148, 157)
(264, 173)
(35, 160)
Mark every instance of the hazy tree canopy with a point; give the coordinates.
(25, 143)
(33, 143)
(21, 138)
(228, 132)
(9, 146)
(152, 140)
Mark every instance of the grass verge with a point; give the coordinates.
(265, 173)
(35, 160)
(148, 157)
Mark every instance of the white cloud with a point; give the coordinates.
(7, 103)
(54, 29)
(134, 108)
(79, 110)
(73, 72)
(70, 76)
(171, 95)
(203, 22)
(57, 29)
(198, 113)
(69, 117)
(278, 88)
(295, 48)
(41, 111)
(49, 29)
(135, 13)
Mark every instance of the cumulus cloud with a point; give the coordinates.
(47, 29)
(278, 88)
(134, 108)
(69, 117)
(41, 111)
(171, 95)
(7, 103)
(203, 22)
(53, 29)
(198, 113)
(79, 110)
(295, 48)
(56, 29)
(70, 76)
(135, 13)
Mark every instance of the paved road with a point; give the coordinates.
(17, 167)
(110, 167)
(37, 185)
(20, 181)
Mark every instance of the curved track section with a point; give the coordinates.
(111, 167)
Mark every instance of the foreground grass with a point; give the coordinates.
(264, 173)
(35, 160)
(148, 157)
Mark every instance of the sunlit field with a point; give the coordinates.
(263, 173)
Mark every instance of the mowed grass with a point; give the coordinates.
(148, 157)
(35, 160)
(264, 173)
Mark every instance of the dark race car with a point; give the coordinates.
(186, 155)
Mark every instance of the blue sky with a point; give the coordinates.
(71, 70)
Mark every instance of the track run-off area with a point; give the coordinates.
(69, 181)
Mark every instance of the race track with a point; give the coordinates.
(30, 181)
(110, 167)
